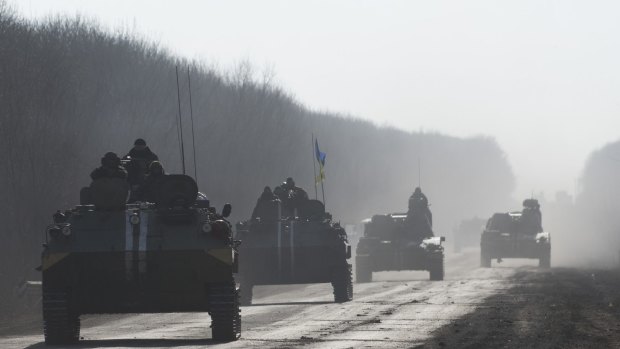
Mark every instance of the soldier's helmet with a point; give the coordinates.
(156, 168)
(290, 183)
(531, 204)
(110, 159)
(139, 144)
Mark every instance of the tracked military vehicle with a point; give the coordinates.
(173, 255)
(390, 245)
(400, 241)
(293, 245)
(516, 235)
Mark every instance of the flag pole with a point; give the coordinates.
(323, 189)
(419, 173)
(323, 180)
(316, 192)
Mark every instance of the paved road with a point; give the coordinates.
(398, 310)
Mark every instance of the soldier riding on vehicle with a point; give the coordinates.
(292, 197)
(137, 163)
(147, 191)
(110, 168)
(419, 216)
(267, 205)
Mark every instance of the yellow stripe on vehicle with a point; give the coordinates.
(51, 259)
(223, 254)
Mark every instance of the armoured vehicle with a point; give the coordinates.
(516, 235)
(391, 242)
(173, 255)
(300, 245)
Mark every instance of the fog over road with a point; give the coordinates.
(398, 310)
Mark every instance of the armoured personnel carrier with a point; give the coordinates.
(173, 255)
(389, 244)
(401, 241)
(516, 235)
(282, 244)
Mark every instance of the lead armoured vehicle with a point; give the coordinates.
(293, 244)
(516, 235)
(400, 241)
(173, 255)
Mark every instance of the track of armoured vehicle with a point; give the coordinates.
(390, 244)
(173, 255)
(302, 248)
(516, 235)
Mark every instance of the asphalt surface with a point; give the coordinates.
(512, 305)
(397, 310)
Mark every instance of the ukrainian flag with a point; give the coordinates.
(320, 157)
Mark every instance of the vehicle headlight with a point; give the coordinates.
(134, 219)
(66, 230)
(206, 228)
(54, 231)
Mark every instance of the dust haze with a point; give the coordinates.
(72, 90)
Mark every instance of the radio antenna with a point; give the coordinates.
(191, 114)
(180, 120)
(419, 173)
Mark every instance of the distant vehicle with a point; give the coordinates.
(300, 248)
(390, 242)
(174, 255)
(516, 235)
(468, 233)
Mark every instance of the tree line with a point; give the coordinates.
(71, 91)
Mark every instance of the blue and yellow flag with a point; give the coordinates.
(320, 157)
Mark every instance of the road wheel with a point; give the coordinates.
(545, 260)
(224, 311)
(343, 284)
(485, 260)
(363, 272)
(436, 271)
(61, 323)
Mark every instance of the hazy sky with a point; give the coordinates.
(542, 77)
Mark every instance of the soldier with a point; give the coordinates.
(417, 199)
(419, 216)
(531, 219)
(264, 204)
(291, 196)
(140, 158)
(142, 152)
(147, 191)
(294, 191)
(110, 168)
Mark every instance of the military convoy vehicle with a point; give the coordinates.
(173, 255)
(516, 235)
(300, 245)
(390, 243)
